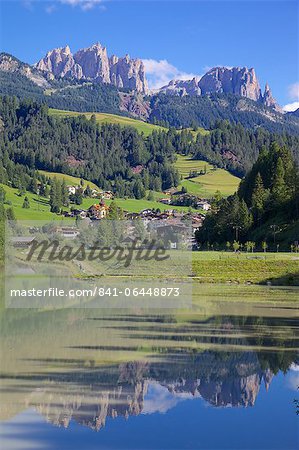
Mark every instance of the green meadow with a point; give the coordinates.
(69, 179)
(39, 206)
(255, 268)
(205, 185)
(141, 127)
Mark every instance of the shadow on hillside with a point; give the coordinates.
(41, 201)
(289, 279)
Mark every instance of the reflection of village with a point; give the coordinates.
(135, 388)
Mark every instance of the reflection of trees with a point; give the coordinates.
(92, 395)
(224, 360)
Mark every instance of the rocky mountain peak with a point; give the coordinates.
(58, 62)
(235, 80)
(241, 81)
(9, 63)
(67, 50)
(92, 63)
(182, 87)
(268, 99)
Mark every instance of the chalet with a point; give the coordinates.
(95, 193)
(170, 191)
(206, 206)
(146, 212)
(76, 213)
(71, 190)
(165, 201)
(107, 195)
(98, 211)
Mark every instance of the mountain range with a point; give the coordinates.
(240, 81)
(93, 64)
(119, 85)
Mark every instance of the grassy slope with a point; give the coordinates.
(142, 127)
(40, 209)
(69, 179)
(206, 185)
(199, 130)
(39, 206)
(279, 268)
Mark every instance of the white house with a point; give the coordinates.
(206, 206)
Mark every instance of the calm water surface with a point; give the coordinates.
(223, 375)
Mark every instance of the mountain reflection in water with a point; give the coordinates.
(78, 367)
(230, 380)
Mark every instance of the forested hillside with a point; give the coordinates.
(111, 156)
(119, 158)
(265, 208)
(63, 94)
(204, 111)
(232, 146)
(167, 110)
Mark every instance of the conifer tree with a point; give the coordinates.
(26, 203)
(88, 191)
(279, 188)
(10, 214)
(258, 195)
(33, 186)
(138, 189)
(42, 190)
(64, 194)
(245, 219)
(55, 196)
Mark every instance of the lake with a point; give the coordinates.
(223, 374)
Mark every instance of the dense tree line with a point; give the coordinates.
(63, 94)
(167, 110)
(107, 155)
(232, 146)
(203, 111)
(266, 204)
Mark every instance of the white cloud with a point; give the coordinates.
(50, 9)
(28, 4)
(291, 107)
(159, 399)
(85, 5)
(294, 91)
(159, 73)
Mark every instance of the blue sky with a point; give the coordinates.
(175, 38)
